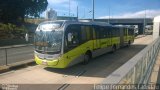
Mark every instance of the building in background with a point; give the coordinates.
(51, 14)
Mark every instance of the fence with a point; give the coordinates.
(7, 42)
(10, 55)
(138, 69)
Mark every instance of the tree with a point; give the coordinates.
(35, 7)
(12, 10)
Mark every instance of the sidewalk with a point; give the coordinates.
(158, 79)
(155, 75)
(5, 68)
(139, 36)
(16, 65)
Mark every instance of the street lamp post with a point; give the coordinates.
(109, 15)
(69, 8)
(77, 12)
(84, 11)
(144, 22)
(92, 10)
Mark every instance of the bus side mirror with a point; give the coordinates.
(27, 37)
(69, 37)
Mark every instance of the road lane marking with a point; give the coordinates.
(80, 73)
(64, 86)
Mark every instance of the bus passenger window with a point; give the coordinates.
(75, 39)
(72, 37)
(86, 33)
(69, 37)
(83, 34)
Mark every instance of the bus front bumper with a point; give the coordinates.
(56, 63)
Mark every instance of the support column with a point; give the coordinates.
(140, 29)
(156, 27)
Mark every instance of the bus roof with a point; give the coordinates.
(86, 22)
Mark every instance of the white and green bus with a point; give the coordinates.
(60, 44)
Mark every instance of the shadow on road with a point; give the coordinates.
(103, 65)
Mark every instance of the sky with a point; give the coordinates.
(107, 8)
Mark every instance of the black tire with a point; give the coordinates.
(129, 43)
(87, 58)
(113, 48)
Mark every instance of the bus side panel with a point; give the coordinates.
(98, 43)
(85, 43)
(125, 36)
(106, 41)
(96, 34)
(116, 41)
(73, 56)
(76, 55)
(115, 37)
(131, 34)
(88, 40)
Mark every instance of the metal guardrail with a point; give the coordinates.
(9, 42)
(14, 54)
(138, 69)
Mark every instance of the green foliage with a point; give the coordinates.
(12, 28)
(11, 31)
(35, 7)
(34, 21)
(13, 10)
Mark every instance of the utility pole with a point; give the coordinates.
(69, 8)
(109, 15)
(92, 10)
(144, 23)
(77, 12)
(84, 13)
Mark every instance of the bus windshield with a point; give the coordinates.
(48, 41)
(48, 26)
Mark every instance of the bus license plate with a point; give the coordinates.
(44, 63)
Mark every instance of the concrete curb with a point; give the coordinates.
(16, 65)
(15, 46)
(156, 69)
(4, 69)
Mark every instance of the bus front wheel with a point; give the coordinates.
(86, 59)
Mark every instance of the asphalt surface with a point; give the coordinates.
(70, 78)
(15, 54)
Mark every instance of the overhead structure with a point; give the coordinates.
(156, 27)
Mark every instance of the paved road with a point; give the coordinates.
(98, 69)
(16, 54)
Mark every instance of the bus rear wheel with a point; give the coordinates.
(87, 58)
(113, 48)
(129, 43)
